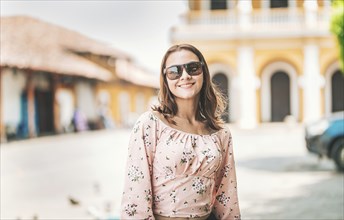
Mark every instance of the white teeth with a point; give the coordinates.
(186, 85)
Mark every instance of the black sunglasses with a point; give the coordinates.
(176, 71)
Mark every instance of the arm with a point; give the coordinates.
(137, 195)
(226, 205)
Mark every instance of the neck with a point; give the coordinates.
(187, 109)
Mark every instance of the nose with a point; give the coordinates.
(185, 75)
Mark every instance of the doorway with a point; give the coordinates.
(280, 96)
(221, 80)
(337, 93)
(44, 117)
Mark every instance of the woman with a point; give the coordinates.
(180, 161)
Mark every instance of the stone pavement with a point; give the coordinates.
(278, 179)
(79, 176)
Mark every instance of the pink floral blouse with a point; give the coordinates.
(177, 174)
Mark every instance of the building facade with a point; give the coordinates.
(273, 59)
(54, 80)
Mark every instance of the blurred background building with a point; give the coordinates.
(275, 60)
(55, 80)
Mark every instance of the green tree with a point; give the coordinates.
(337, 27)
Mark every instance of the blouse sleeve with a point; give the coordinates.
(226, 205)
(137, 194)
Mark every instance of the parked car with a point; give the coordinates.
(326, 138)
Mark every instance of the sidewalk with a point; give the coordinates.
(277, 178)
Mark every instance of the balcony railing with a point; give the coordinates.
(262, 19)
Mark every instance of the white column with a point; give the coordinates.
(205, 17)
(311, 8)
(292, 4)
(327, 4)
(245, 9)
(230, 4)
(248, 84)
(292, 12)
(311, 82)
(265, 4)
(205, 5)
(327, 10)
(234, 98)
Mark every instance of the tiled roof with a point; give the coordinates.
(29, 43)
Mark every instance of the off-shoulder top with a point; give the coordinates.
(178, 174)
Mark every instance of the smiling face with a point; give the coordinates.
(185, 87)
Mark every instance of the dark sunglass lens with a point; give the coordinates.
(173, 72)
(194, 68)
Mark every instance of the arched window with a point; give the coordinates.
(337, 93)
(278, 3)
(218, 4)
(221, 81)
(280, 96)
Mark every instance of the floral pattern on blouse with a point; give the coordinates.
(134, 173)
(178, 174)
(198, 185)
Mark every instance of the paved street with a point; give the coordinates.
(79, 176)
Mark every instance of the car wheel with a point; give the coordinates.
(338, 156)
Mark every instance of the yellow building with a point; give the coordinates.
(130, 92)
(273, 58)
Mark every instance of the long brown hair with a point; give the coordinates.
(211, 102)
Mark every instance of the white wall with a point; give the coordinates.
(124, 106)
(86, 100)
(12, 85)
(65, 100)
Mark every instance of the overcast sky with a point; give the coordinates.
(138, 27)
